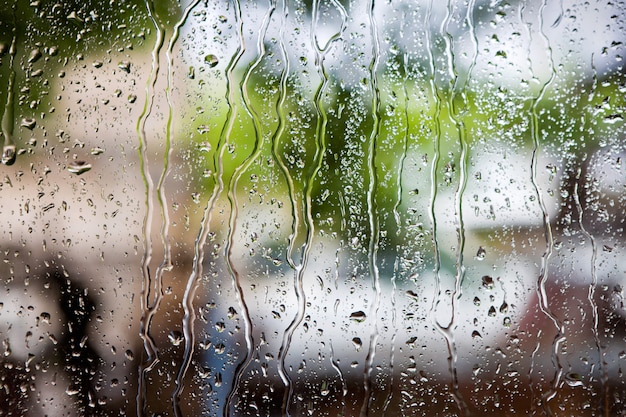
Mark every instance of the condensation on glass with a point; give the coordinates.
(312, 208)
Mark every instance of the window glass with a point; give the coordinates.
(312, 207)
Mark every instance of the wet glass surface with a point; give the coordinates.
(312, 208)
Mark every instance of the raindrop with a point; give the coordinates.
(357, 343)
(358, 316)
(211, 60)
(78, 167)
(488, 282)
(574, 380)
(34, 55)
(29, 123)
(480, 255)
(8, 154)
(45, 318)
(175, 337)
(324, 391)
(412, 295)
(124, 66)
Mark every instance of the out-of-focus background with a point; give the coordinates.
(312, 208)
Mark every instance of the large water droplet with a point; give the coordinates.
(78, 167)
(29, 123)
(175, 337)
(358, 316)
(8, 154)
(211, 60)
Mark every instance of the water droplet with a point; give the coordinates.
(574, 380)
(124, 66)
(78, 167)
(476, 335)
(488, 282)
(211, 60)
(45, 317)
(8, 154)
(412, 295)
(481, 253)
(34, 55)
(324, 391)
(74, 18)
(129, 355)
(29, 123)
(357, 343)
(72, 390)
(175, 337)
(358, 316)
(423, 377)
(97, 151)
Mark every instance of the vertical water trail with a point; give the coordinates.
(8, 118)
(545, 259)
(320, 151)
(278, 135)
(218, 173)
(344, 387)
(234, 206)
(372, 212)
(396, 215)
(602, 365)
(166, 264)
(147, 312)
(447, 330)
(433, 169)
(456, 116)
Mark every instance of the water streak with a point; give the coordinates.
(8, 118)
(372, 212)
(602, 365)
(146, 286)
(166, 264)
(549, 240)
(344, 386)
(396, 215)
(320, 151)
(276, 139)
(218, 173)
(234, 206)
